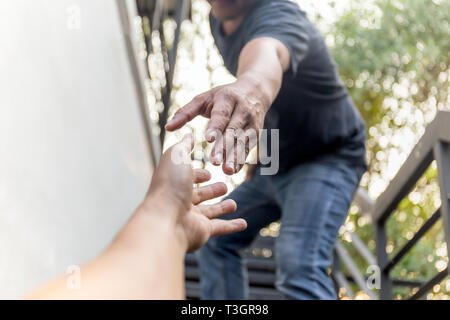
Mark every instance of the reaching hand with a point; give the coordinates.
(237, 110)
(172, 184)
(237, 113)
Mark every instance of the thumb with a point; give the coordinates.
(180, 153)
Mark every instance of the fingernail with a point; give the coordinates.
(238, 223)
(218, 158)
(211, 135)
(230, 165)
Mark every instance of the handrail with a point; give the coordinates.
(434, 145)
(414, 166)
(353, 269)
(419, 234)
(365, 203)
(363, 250)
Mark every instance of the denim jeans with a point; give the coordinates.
(312, 201)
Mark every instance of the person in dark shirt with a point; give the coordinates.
(287, 80)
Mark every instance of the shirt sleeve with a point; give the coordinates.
(284, 21)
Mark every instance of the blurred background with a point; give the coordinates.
(394, 57)
(87, 86)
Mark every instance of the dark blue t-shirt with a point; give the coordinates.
(313, 110)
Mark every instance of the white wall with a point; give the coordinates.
(74, 157)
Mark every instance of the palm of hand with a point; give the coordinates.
(196, 222)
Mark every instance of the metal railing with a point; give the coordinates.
(434, 145)
(153, 13)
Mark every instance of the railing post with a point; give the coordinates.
(336, 267)
(180, 15)
(442, 156)
(381, 242)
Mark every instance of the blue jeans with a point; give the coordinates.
(312, 201)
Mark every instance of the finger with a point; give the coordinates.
(236, 155)
(245, 141)
(201, 175)
(186, 114)
(239, 155)
(208, 192)
(222, 227)
(219, 209)
(188, 142)
(221, 113)
(230, 151)
(222, 147)
(217, 152)
(237, 129)
(185, 146)
(180, 152)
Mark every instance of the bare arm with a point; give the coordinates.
(146, 259)
(144, 262)
(263, 61)
(242, 104)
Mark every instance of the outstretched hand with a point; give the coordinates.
(146, 259)
(172, 184)
(237, 110)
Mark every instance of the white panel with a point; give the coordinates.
(74, 157)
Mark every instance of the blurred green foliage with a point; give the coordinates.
(394, 57)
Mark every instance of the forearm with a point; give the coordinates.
(241, 105)
(145, 261)
(262, 63)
